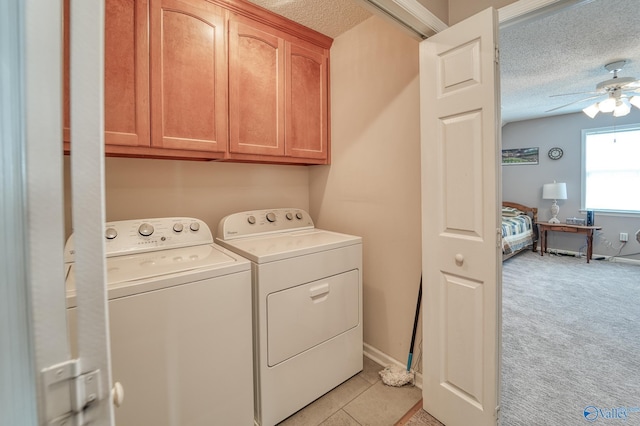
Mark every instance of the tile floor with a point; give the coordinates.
(361, 400)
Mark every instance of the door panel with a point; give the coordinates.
(189, 78)
(306, 103)
(256, 97)
(460, 181)
(126, 73)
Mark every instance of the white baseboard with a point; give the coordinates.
(383, 359)
(596, 255)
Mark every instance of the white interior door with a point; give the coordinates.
(460, 196)
(68, 391)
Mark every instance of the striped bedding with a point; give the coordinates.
(517, 233)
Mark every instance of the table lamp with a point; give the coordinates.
(554, 191)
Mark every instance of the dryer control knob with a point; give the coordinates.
(195, 226)
(178, 227)
(110, 233)
(299, 216)
(145, 229)
(271, 217)
(251, 220)
(289, 216)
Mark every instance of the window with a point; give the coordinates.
(611, 169)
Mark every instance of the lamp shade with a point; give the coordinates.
(554, 191)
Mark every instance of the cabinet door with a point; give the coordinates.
(256, 90)
(188, 76)
(307, 102)
(126, 77)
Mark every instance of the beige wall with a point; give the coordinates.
(440, 8)
(462, 9)
(139, 188)
(372, 188)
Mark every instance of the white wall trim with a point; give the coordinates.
(525, 9)
(413, 16)
(422, 14)
(383, 359)
(607, 258)
(422, 21)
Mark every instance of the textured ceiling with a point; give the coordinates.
(566, 53)
(560, 53)
(329, 17)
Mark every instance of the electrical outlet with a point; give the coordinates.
(624, 237)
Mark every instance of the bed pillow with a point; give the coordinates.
(511, 212)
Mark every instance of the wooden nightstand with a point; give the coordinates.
(544, 227)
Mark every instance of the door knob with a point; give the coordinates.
(117, 394)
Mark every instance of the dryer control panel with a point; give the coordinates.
(257, 222)
(144, 235)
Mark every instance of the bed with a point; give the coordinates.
(518, 229)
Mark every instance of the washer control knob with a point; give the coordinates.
(110, 233)
(145, 229)
(299, 216)
(178, 227)
(251, 220)
(289, 216)
(271, 217)
(195, 226)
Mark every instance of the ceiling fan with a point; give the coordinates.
(620, 94)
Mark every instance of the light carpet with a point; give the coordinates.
(570, 343)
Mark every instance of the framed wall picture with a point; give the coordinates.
(520, 156)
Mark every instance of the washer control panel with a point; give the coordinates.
(144, 235)
(258, 222)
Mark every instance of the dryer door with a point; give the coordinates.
(304, 316)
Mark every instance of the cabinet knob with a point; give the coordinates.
(459, 259)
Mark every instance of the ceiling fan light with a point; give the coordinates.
(592, 110)
(635, 101)
(621, 109)
(608, 105)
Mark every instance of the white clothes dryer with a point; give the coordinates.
(180, 323)
(307, 306)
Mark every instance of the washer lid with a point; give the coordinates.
(272, 247)
(165, 262)
(158, 264)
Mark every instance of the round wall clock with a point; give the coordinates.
(555, 153)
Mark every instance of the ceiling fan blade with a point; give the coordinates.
(631, 86)
(575, 93)
(574, 102)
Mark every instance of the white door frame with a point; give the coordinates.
(17, 387)
(35, 348)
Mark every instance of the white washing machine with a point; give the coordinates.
(307, 306)
(180, 323)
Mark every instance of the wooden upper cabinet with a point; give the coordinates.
(278, 95)
(210, 79)
(307, 102)
(188, 76)
(256, 90)
(126, 75)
